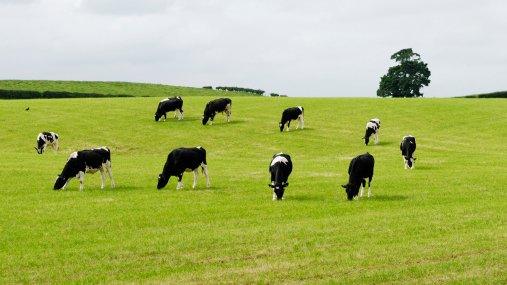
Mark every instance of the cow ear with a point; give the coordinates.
(271, 185)
(286, 184)
(344, 186)
(415, 158)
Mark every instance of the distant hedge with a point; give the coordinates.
(500, 94)
(207, 87)
(240, 89)
(30, 94)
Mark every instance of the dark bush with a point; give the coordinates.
(31, 94)
(207, 87)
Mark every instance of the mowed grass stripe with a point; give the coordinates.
(442, 222)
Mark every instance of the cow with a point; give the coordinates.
(407, 147)
(86, 161)
(46, 139)
(360, 168)
(221, 105)
(280, 169)
(293, 113)
(372, 128)
(168, 105)
(184, 160)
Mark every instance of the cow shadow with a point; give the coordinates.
(424, 167)
(225, 123)
(304, 198)
(382, 143)
(388, 197)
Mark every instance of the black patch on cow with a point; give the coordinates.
(169, 105)
(360, 167)
(178, 161)
(91, 158)
(280, 174)
(288, 115)
(213, 107)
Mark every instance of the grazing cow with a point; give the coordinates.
(168, 105)
(372, 127)
(46, 139)
(86, 161)
(217, 106)
(280, 169)
(360, 168)
(407, 147)
(294, 113)
(184, 159)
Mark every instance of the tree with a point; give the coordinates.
(405, 79)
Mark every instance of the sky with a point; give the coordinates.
(299, 48)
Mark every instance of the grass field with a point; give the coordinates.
(444, 221)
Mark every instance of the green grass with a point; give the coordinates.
(113, 88)
(443, 222)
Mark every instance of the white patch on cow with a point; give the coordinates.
(163, 100)
(279, 159)
(73, 155)
(205, 171)
(274, 196)
(80, 176)
(371, 125)
(301, 109)
(196, 172)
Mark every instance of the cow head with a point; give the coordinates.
(410, 161)
(205, 119)
(352, 190)
(40, 146)
(279, 189)
(157, 116)
(162, 181)
(366, 140)
(60, 182)
(281, 126)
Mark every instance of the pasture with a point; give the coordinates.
(444, 221)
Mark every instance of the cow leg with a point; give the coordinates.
(369, 187)
(274, 196)
(299, 122)
(362, 188)
(165, 116)
(81, 180)
(205, 171)
(288, 126)
(55, 146)
(196, 172)
(376, 137)
(302, 118)
(110, 173)
(102, 177)
(180, 184)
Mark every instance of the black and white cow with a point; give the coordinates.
(221, 105)
(46, 139)
(293, 113)
(360, 168)
(86, 161)
(184, 160)
(372, 128)
(280, 169)
(407, 147)
(168, 105)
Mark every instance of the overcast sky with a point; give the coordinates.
(299, 48)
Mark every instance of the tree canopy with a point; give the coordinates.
(406, 78)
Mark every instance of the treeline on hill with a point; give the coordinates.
(31, 94)
(499, 94)
(237, 89)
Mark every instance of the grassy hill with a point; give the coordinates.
(442, 222)
(112, 88)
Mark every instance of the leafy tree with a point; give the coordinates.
(405, 79)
